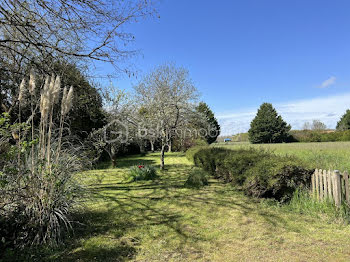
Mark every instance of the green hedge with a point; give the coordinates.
(198, 144)
(276, 177)
(259, 173)
(320, 136)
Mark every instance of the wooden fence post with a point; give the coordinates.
(317, 184)
(329, 184)
(321, 182)
(347, 193)
(313, 184)
(337, 188)
(325, 184)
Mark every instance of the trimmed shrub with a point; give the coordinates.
(208, 158)
(276, 177)
(233, 166)
(197, 178)
(143, 172)
(198, 145)
(260, 173)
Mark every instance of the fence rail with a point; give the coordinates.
(331, 185)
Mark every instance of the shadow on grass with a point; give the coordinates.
(163, 208)
(91, 240)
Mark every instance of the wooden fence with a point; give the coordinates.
(331, 185)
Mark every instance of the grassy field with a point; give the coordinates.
(163, 221)
(325, 155)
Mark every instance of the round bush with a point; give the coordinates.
(197, 178)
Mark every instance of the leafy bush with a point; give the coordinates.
(208, 158)
(143, 172)
(260, 173)
(193, 150)
(197, 178)
(233, 166)
(276, 177)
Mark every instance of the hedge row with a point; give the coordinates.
(320, 136)
(259, 173)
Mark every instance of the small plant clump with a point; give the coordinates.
(143, 172)
(197, 178)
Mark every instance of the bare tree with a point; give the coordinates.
(307, 126)
(38, 33)
(69, 28)
(318, 125)
(167, 94)
(116, 133)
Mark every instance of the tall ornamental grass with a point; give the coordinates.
(37, 189)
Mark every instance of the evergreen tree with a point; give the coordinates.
(212, 126)
(344, 122)
(268, 126)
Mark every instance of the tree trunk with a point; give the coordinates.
(112, 157)
(142, 149)
(162, 157)
(152, 146)
(169, 146)
(114, 162)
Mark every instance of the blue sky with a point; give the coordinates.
(243, 53)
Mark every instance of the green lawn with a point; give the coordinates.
(325, 155)
(163, 221)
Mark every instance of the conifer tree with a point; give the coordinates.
(268, 126)
(344, 122)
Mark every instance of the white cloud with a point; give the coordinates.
(328, 82)
(327, 109)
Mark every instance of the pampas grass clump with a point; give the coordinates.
(37, 188)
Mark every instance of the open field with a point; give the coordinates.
(163, 221)
(325, 155)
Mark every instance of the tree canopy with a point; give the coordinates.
(268, 126)
(211, 125)
(167, 94)
(344, 122)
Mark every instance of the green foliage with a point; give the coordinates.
(198, 145)
(87, 112)
(344, 122)
(260, 173)
(268, 126)
(303, 202)
(208, 158)
(211, 126)
(197, 178)
(320, 136)
(37, 189)
(276, 177)
(233, 166)
(143, 172)
(241, 137)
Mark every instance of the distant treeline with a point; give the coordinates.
(319, 136)
(302, 136)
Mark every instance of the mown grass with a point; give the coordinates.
(162, 220)
(325, 155)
